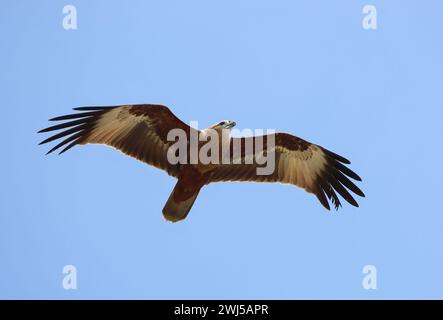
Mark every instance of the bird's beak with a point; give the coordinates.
(230, 125)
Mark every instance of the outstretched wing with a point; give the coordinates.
(139, 131)
(298, 162)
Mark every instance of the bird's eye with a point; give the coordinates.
(222, 123)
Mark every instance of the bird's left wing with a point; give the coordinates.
(298, 162)
(139, 131)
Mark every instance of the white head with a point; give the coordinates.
(225, 124)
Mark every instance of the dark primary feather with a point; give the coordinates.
(94, 108)
(67, 140)
(65, 125)
(65, 133)
(348, 183)
(74, 116)
(346, 171)
(333, 180)
(336, 156)
(76, 128)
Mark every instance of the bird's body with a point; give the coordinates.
(144, 132)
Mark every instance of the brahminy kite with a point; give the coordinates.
(141, 131)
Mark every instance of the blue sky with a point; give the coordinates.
(305, 67)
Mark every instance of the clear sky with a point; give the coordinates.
(305, 67)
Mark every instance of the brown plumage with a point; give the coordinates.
(141, 131)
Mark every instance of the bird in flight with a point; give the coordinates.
(141, 131)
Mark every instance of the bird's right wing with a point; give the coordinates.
(139, 131)
(297, 162)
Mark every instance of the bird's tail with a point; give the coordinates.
(179, 203)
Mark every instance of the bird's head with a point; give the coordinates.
(225, 124)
